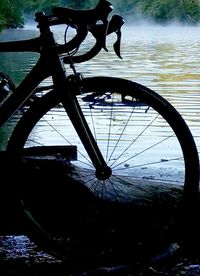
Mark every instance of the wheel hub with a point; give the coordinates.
(104, 174)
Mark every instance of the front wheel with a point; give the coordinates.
(141, 136)
(143, 139)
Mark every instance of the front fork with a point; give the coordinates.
(80, 124)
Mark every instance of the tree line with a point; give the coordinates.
(12, 12)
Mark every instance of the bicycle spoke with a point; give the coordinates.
(148, 148)
(70, 143)
(36, 142)
(119, 139)
(109, 130)
(148, 164)
(134, 140)
(119, 191)
(93, 125)
(131, 184)
(103, 188)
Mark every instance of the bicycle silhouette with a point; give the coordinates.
(125, 133)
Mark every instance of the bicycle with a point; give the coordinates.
(126, 135)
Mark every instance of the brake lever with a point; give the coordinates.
(114, 25)
(117, 22)
(105, 24)
(117, 44)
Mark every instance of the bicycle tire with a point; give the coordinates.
(144, 118)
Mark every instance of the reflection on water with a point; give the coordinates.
(166, 59)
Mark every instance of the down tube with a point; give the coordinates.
(22, 92)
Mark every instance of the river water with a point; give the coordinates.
(166, 59)
(163, 58)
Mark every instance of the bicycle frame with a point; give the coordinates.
(50, 64)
